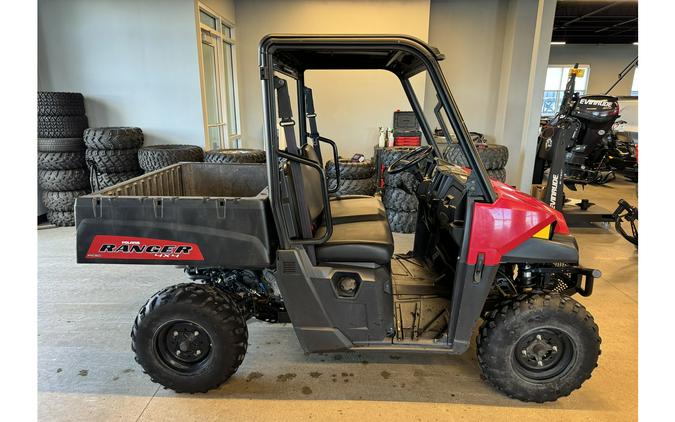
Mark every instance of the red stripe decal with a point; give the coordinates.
(125, 247)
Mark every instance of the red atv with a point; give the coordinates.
(267, 241)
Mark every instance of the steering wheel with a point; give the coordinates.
(410, 160)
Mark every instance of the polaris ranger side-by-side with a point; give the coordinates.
(267, 241)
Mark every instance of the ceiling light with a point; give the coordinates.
(557, 42)
(635, 43)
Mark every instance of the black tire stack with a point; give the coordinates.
(62, 172)
(355, 178)
(398, 197)
(494, 158)
(112, 155)
(229, 156)
(155, 157)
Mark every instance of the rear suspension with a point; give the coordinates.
(253, 291)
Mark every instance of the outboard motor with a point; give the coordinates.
(589, 120)
(596, 115)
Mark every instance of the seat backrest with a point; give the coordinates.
(312, 181)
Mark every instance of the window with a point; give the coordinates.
(219, 80)
(634, 86)
(556, 80)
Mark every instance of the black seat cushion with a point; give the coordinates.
(364, 241)
(357, 208)
(344, 209)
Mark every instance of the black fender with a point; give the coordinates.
(560, 248)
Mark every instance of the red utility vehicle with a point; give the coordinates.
(267, 241)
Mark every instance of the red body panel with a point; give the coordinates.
(499, 227)
(128, 247)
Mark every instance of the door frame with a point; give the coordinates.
(227, 140)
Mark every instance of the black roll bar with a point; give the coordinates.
(326, 200)
(335, 160)
(417, 109)
(276, 55)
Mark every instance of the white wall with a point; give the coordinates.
(472, 39)
(606, 62)
(135, 61)
(350, 105)
(496, 53)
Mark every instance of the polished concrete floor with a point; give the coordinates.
(87, 371)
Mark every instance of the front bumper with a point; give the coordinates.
(583, 278)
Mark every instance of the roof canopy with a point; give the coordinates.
(400, 54)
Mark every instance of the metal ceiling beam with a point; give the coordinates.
(622, 31)
(605, 17)
(618, 24)
(589, 30)
(596, 11)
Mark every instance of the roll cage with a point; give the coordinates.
(404, 56)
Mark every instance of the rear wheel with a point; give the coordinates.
(190, 338)
(538, 347)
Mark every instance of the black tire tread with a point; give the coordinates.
(403, 180)
(499, 174)
(235, 156)
(396, 199)
(63, 180)
(495, 320)
(60, 103)
(350, 170)
(61, 126)
(60, 160)
(63, 200)
(389, 155)
(206, 298)
(113, 160)
(60, 144)
(61, 218)
(101, 181)
(155, 157)
(353, 186)
(402, 221)
(113, 138)
(493, 156)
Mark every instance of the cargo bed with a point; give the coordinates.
(200, 214)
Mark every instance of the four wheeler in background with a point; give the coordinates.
(267, 241)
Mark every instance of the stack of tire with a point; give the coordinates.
(356, 178)
(230, 156)
(494, 157)
(156, 157)
(62, 172)
(399, 197)
(112, 154)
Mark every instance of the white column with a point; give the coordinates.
(527, 39)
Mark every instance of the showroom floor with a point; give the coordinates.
(87, 371)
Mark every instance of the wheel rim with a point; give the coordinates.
(544, 354)
(183, 346)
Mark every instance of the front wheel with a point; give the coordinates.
(538, 347)
(190, 338)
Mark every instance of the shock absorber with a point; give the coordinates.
(526, 278)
